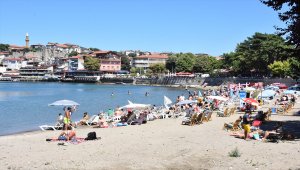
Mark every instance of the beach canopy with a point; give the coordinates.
(64, 103)
(187, 102)
(272, 88)
(251, 101)
(249, 89)
(135, 106)
(291, 92)
(218, 98)
(267, 93)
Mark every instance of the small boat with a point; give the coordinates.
(120, 83)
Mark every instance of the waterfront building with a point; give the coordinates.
(145, 61)
(110, 62)
(3, 55)
(16, 48)
(35, 72)
(76, 63)
(12, 63)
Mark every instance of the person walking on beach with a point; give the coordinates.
(246, 124)
(67, 118)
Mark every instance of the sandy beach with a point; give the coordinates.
(160, 144)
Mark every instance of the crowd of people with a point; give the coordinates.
(196, 108)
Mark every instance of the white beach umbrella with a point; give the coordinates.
(64, 103)
(187, 102)
(218, 98)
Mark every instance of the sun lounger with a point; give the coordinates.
(49, 127)
(93, 120)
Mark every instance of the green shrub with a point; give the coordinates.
(234, 153)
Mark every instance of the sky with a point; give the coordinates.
(198, 26)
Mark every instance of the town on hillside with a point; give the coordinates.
(69, 62)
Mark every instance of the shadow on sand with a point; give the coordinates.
(289, 126)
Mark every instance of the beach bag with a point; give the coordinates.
(91, 136)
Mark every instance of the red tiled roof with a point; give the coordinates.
(16, 46)
(154, 56)
(4, 53)
(61, 45)
(101, 52)
(76, 57)
(13, 59)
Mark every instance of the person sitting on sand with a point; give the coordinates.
(84, 119)
(60, 120)
(68, 134)
(101, 123)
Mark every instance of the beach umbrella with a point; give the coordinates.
(272, 88)
(251, 101)
(64, 103)
(187, 102)
(218, 98)
(290, 92)
(267, 93)
(167, 101)
(135, 106)
(249, 89)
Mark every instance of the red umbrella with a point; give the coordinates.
(251, 101)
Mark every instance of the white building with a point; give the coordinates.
(145, 61)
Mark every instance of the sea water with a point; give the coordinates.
(24, 105)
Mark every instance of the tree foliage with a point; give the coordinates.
(92, 63)
(125, 63)
(132, 54)
(4, 47)
(73, 53)
(280, 68)
(257, 52)
(157, 68)
(291, 17)
(94, 49)
(185, 62)
(205, 64)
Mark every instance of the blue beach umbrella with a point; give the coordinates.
(267, 93)
(64, 103)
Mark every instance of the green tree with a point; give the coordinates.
(171, 63)
(73, 53)
(280, 68)
(157, 68)
(295, 67)
(185, 62)
(4, 47)
(133, 71)
(291, 17)
(132, 54)
(94, 49)
(92, 63)
(125, 63)
(259, 51)
(205, 64)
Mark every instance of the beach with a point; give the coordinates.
(159, 144)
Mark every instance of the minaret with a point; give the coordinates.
(27, 40)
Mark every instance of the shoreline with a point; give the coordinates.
(159, 144)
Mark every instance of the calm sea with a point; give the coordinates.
(24, 106)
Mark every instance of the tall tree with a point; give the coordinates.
(157, 68)
(4, 47)
(291, 17)
(91, 63)
(185, 62)
(125, 63)
(205, 64)
(280, 68)
(171, 63)
(260, 50)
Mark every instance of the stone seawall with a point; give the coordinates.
(211, 81)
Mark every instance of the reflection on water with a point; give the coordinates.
(25, 105)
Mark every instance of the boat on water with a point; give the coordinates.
(120, 83)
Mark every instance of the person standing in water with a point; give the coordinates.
(147, 94)
(112, 94)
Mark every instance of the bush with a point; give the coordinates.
(234, 153)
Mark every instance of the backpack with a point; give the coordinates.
(91, 136)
